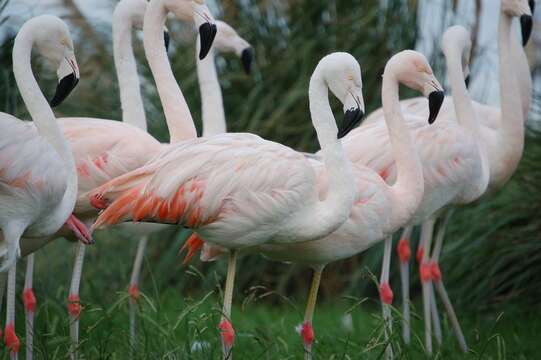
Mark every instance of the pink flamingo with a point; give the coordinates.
(38, 180)
(238, 190)
(213, 116)
(501, 134)
(379, 209)
(105, 149)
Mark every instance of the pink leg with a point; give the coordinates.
(29, 300)
(74, 302)
(386, 295)
(440, 288)
(404, 253)
(134, 288)
(11, 339)
(426, 238)
(226, 328)
(306, 330)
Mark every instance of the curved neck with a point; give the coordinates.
(43, 117)
(461, 98)
(211, 95)
(334, 210)
(133, 111)
(512, 118)
(177, 114)
(409, 186)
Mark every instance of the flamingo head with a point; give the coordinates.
(523, 9)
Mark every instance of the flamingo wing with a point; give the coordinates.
(227, 186)
(32, 174)
(104, 150)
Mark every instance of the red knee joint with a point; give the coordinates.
(386, 293)
(29, 300)
(425, 271)
(435, 271)
(134, 292)
(404, 250)
(74, 305)
(420, 254)
(11, 339)
(227, 332)
(307, 333)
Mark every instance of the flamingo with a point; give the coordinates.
(238, 190)
(38, 180)
(226, 40)
(379, 209)
(104, 149)
(503, 139)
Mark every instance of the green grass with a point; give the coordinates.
(171, 318)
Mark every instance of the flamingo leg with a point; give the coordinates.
(29, 300)
(11, 339)
(386, 295)
(134, 288)
(440, 288)
(426, 238)
(435, 317)
(226, 329)
(306, 329)
(404, 254)
(74, 302)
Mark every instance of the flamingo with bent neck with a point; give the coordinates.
(104, 149)
(498, 126)
(238, 190)
(37, 191)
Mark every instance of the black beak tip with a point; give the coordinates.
(435, 100)
(532, 6)
(526, 26)
(207, 33)
(352, 118)
(64, 87)
(166, 39)
(247, 57)
(467, 80)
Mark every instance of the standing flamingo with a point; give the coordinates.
(501, 132)
(38, 181)
(379, 209)
(227, 40)
(238, 190)
(104, 149)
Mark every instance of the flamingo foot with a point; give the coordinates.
(29, 300)
(11, 339)
(74, 305)
(403, 249)
(80, 230)
(227, 333)
(386, 293)
(134, 292)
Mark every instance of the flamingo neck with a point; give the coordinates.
(334, 210)
(211, 95)
(524, 75)
(408, 189)
(511, 129)
(177, 114)
(133, 111)
(44, 120)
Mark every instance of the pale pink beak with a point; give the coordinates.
(80, 230)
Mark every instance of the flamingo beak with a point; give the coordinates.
(247, 57)
(435, 100)
(526, 25)
(352, 118)
(207, 33)
(68, 73)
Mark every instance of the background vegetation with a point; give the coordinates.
(492, 257)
